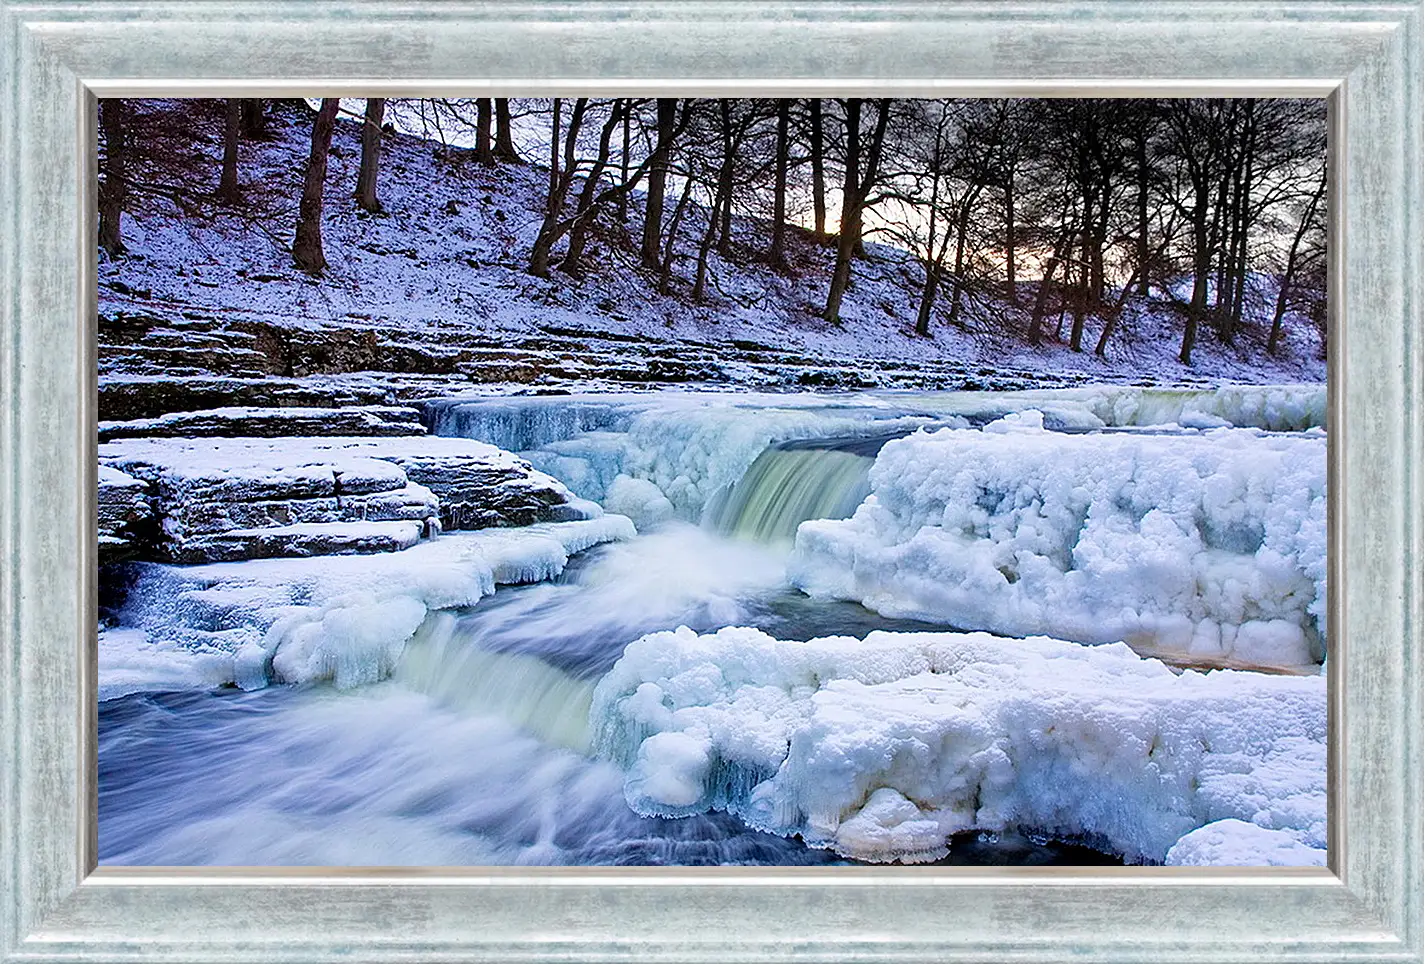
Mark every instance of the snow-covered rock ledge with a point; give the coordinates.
(339, 618)
(265, 422)
(881, 749)
(1205, 546)
(224, 499)
(123, 513)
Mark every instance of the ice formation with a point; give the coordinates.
(339, 618)
(880, 749)
(693, 447)
(1206, 546)
(694, 451)
(1277, 408)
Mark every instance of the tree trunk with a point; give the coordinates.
(657, 179)
(624, 165)
(1097, 275)
(724, 227)
(1092, 280)
(700, 277)
(1041, 298)
(1011, 288)
(1220, 225)
(778, 254)
(1279, 313)
(114, 190)
(484, 146)
(850, 229)
(1141, 145)
(853, 201)
(1244, 220)
(933, 259)
(665, 274)
(818, 172)
(586, 210)
(307, 248)
(962, 228)
(1081, 301)
(370, 154)
(228, 184)
(927, 300)
(254, 118)
(1202, 269)
(544, 242)
(504, 137)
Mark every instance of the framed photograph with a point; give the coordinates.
(670, 481)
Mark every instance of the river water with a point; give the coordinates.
(476, 751)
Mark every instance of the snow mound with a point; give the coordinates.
(1236, 843)
(881, 749)
(340, 618)
(1206, 546)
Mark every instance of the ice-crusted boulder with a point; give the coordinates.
(881, 749)
(1202, 546)
(258, 422)
(340, 618)
(124, 514)
(222, 499)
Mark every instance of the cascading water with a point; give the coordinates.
(522, 689)
(794, 482)
(525, 423)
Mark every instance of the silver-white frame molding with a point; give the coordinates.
(55, 907)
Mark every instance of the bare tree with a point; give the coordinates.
(484, 145)
(1308, 220)
(307, 248)
(1197, 129)
(114, 189)
(566, 165)
(371, 129)
(254, 118)
(228, 184)
(504, 138)
(857, 185)
(818, 169)
(778, 254)
(657, 178)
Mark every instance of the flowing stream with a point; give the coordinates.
(476, 751)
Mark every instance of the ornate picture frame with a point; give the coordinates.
(1364, 57)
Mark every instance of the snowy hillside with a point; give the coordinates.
(445, 264)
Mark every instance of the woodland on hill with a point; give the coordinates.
(1041, 214)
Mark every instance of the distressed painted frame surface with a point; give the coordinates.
(54, 907)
